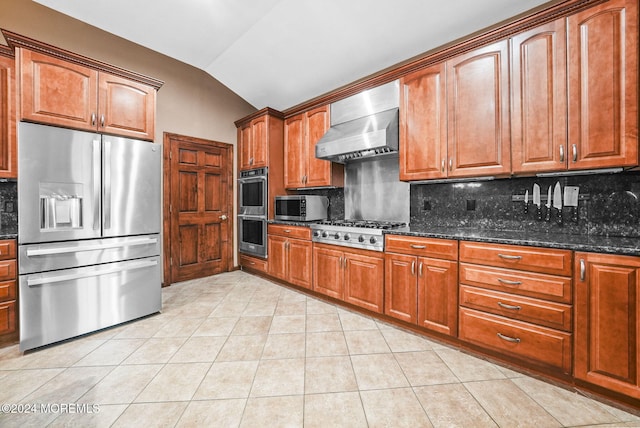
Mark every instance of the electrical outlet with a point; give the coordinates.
(426, 205)
(9, 206)
(471, 204)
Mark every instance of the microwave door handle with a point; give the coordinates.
(106, 203)
(96, 184)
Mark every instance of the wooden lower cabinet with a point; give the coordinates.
(422, 290)
(8, 292)
(354, 276)
(290, 258)
(607, 313)
(253, 263)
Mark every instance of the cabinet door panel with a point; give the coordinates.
(328, 272)
(400, 288)
(277, 250)
(259, 142)
(126, 107)
(8, 144)
(603, 85)
(478, 118)
(539, 108)
(607, 314)
(364, 281)
(438, 295)
(300, 262)
(244, 152)
(57, 92)
(423, 124)
(294, 152)
(319, 171)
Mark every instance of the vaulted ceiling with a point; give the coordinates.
(279, 53)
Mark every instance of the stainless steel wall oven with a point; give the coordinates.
(253, 188)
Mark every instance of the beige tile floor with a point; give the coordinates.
(237, 350)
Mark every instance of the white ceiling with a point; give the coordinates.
(279, 53)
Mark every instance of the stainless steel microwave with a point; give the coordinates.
(301, 207)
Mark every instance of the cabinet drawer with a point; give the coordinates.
(290, 231)
(543, 260)
(551, 287)
(527, 341)
(253, 263)
(7, 291)
(7, 317)
(428, 247)
(548, 314)
(8, 249)
(7, 270)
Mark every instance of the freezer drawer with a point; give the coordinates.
(59, 305)
(34, 258)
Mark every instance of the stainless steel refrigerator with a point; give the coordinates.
(88, 232)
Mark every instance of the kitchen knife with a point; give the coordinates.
(536, 200)
(526, 201)
(557, 201)
(571, 194)
(547, 217)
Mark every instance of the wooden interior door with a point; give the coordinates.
(198, 236)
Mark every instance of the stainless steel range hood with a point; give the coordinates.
(363, 125)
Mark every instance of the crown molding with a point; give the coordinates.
(15, 40)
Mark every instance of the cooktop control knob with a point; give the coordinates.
(361, 238)
(325, 234)
(347, 236)
(316, 233)
(373, 240)
(337, 235)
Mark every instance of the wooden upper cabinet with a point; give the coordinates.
(302, 168)
(244, 141)
(126, 107)
(603, 85)
(478, 112)
(64, 93)
(57, 92)
(255, 138)
(423, 124)
(8, 145)
(294, 152)
(539, 99)
(259, 142)
(607, 315)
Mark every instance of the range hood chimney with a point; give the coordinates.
(363, 125)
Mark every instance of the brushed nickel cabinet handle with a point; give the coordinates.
(583, 270)
(509, 257)
(418, 247)
(561, 153)
(102, 120)
(511, 307)
(287, 231)
(508, 282)
(420, 269)
(93, 119)
(413, 268)
(450, 164)
(442, 166)
(509, 339)
(574, 150)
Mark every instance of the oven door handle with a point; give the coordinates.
(252, 217)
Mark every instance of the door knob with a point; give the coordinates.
(223, 217)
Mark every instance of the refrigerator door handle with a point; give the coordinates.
(96, 184)
(31, 282)
(76, 249)
(106, 203)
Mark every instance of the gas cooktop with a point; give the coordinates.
(365, 234)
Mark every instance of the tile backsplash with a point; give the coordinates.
(8, 207)
(609, 205)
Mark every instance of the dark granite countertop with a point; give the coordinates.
(589, 243)
(8, 235)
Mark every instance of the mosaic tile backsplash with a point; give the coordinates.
(611, 205)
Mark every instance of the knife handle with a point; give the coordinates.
(547, 216)
(526, 207)
(574, 214)
(559, 217)
(539, 213)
